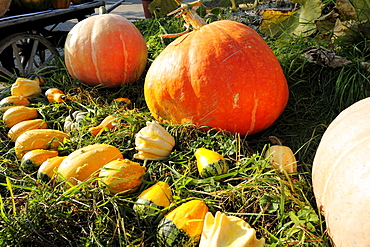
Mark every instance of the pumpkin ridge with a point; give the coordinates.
(343, 154)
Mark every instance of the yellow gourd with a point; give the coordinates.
(183, 226)
(39, 139)
(33, 159)
(24, 126)
(55, 95)
(121, 176)
(86, 162)
(17, 114)
(11, 101)
(25, 88)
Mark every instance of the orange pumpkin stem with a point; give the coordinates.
(187, 12)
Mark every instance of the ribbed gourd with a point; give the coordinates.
(153, 200)
(210, 163)
(183, 225)
(33, 159)
(73, 121)
(121, 176)
(17, 114)
(24, 126)
(85, 162)
(49, 139)
(25, 88)
(47, 170)
(11, 101)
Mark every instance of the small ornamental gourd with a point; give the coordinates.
(153, 200)
(183, 225)
(11, 101)
(122, 102)
(153, 142)
(47, 170)
(106, 50)
(107, 123)
(121, 176)
(25, 88)
(39, 139)
(341, 176)
(17, 114)
(33, 159)
(24, 126)
(85, 162)
(75, 120)
(39, 79)
(55, 95)
(222, 75)
(210, 163)
(230, 231)
(281, 157)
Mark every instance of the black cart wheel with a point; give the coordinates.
(22, 53)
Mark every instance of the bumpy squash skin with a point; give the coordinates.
(105, 50)
(39, 139)
(46, 171)
(33, 159)
(223, 75)
(341, 176)
(182, 225)
(24, 126)
(121, 176)
(86, 161)
(17, 114)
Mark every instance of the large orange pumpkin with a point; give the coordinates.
(222, 75)
(341, 176)
(105, 49)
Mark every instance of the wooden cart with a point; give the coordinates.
(29, 41)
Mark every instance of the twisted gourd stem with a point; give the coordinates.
(191, 18)
(274, 140)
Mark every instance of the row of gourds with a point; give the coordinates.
(36, 147)
(223, 75)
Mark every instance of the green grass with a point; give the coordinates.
(281, 208)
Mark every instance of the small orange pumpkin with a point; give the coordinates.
(105, 49)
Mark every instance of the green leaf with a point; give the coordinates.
(162, 7)
(362, 8)
(310, 11)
